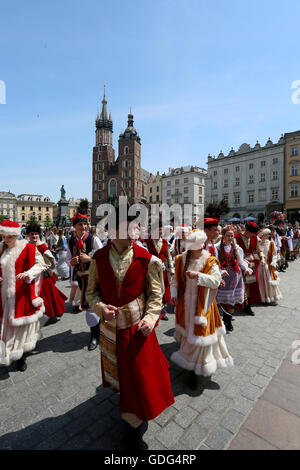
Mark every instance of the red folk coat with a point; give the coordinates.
(143, 370)
(254, 293)
(25, 305)
(162, 256)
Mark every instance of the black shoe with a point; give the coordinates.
(134, 436)
(165, 318)
(94, 341)
(193, 380)
(227, 318)
(21, 364)
(249, 310)
(76, 309)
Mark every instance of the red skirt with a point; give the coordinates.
(145, 386)
(54, 299)
(254, 293)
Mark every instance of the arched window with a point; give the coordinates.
(112, 187)
(126, 150)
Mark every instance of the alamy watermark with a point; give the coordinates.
(132, 219)
(295, 358)
(2, 92)
(296, 94)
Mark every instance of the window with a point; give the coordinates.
(262, 195)
(274, 194)
(294, 190)
(112, 187)
(31, 208)
(151, 190)
(126, 150)
(215, 173)
(23, 218)
(251, 166)
(237, 181)
(186, 190)
(275, 161)
(200, 200)
(169, 192)
(225, 184)
(40, 208)
(157, 189)
(23, 208)
(157, 198)
(250, 179)
(215, 185)
(262, 177)
(176, 181)
(263, 163)
(250, 197)
(236, 198)
(150, 199)
(40, 217)
(186, 180)
(47, 209)
(294, 170)
(225, 197)
(275, 175)
(225, 171)
(237, 168)
(186, 200)
(294, 151)
(168, 183)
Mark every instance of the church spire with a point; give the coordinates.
(103, 121)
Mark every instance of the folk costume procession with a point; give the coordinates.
(125, 286)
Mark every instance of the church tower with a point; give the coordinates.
(103, 157)
(129, 162)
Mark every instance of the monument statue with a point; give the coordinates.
(62, 193)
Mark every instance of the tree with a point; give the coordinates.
(83, 207)
(217, 209)
(32, 220)
(3, 217)
(48, 222)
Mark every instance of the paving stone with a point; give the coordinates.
(232, 420)
(242, 404)
(166, 416)
(260, 381)
(267, 371)
(193, 437)
(208, 418)
(170, 434)
(186, 417)
(252, 392)
(219, 438)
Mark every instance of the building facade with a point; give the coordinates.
(251, 180)
(35, 206)
(116, 177)
(292, 175)
(185, 185)
(8, 205)
(154, 189)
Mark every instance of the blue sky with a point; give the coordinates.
(200, 77)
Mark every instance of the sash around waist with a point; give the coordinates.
(131, 313)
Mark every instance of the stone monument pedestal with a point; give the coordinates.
(63, 219)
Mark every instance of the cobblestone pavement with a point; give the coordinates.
(59, 403)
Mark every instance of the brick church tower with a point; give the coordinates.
(123, 176)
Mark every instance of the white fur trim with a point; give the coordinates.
(202, 340)
(200, 321)
(37, 302)
(10, 231)
(205, 370)
(28, 320)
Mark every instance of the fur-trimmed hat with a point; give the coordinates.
(7, 227)
(33, 228)
(195, 240)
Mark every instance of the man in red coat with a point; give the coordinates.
(161, 249)
(125, 289)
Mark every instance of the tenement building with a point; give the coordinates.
(121, 176)
(292, 175)
(8, 205)
(185, 185)
(251, 179)
(34, 206)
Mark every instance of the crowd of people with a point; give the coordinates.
(127, 286)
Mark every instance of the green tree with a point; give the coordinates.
(48, 222)
(32, 220)
(217, 209)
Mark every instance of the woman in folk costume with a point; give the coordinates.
(267, 274)
(199, 327)
(21, 267)
(250, 244)
(125, 289)
(63, 269)
(53, 298)
(231, 292)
